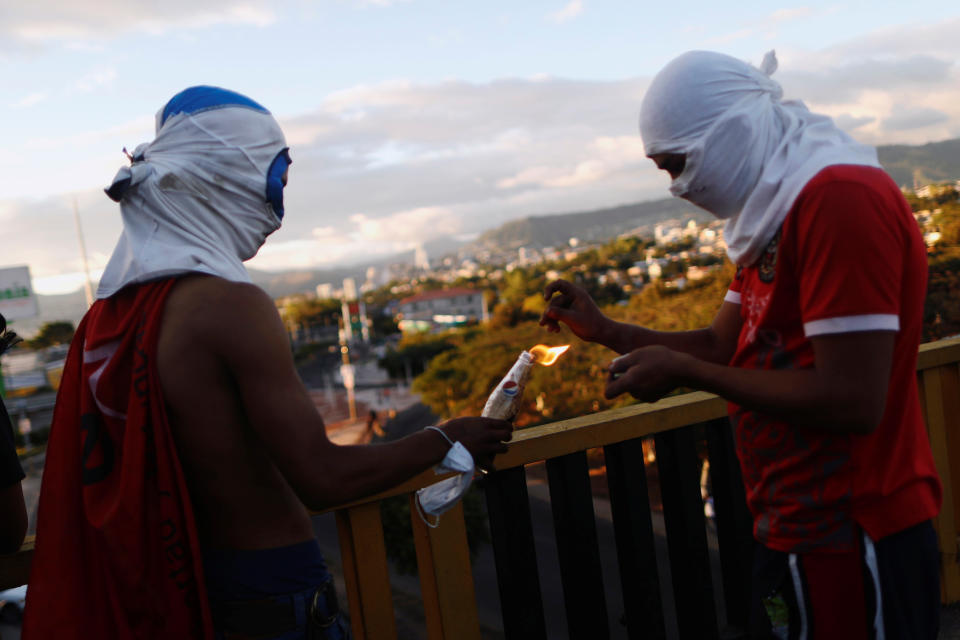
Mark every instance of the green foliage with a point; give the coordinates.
(470, 364)
(51, 333)
(381, 324)
(307, 312)
(458, 381)
(665, 309)
(941, 312)
(684, 244)
(947, 221)
(416, 350)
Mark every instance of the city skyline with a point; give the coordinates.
(408, 120)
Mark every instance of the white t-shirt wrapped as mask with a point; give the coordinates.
(748, 152)
(203, 196)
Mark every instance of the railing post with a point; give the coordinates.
(633, 530)
(734, 522)
(511, 532)
(446, 578)
(366, 572)
(686, 534)
(940, 398)
(575, 528)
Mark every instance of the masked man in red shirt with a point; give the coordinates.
(814, 347)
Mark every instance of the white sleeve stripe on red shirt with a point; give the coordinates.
(732, 296)
(847, 324)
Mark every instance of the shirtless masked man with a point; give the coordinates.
(180, 404)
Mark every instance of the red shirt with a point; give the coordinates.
(848, 257)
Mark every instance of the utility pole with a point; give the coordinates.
(83, 255)
(347, 371)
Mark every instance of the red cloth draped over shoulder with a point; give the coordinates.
(117, 554)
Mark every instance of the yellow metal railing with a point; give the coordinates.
(442, 553)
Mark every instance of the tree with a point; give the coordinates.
(458, 381)
(51, 333)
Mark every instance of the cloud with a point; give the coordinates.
(46, 22)
(29, 100)
(362, 238)
(766, 27)
(789, 15)
(903, 118)
(582, 173)
(832, 81)
(41, 233)
(135, 130)
(95, 80)
(379, 167)
(405, 228)
(64, 282)
(849, 122)
(570, 11)
(379, 3)
(902, 83)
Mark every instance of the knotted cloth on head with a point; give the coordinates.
(203, 196)
(748, 152)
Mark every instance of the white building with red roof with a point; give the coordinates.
(441, 309)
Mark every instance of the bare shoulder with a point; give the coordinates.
(218, 313)
(216, 297)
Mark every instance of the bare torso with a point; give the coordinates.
(240, 499)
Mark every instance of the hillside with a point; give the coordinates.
(601, 224)
(922, 164)
(933, 162)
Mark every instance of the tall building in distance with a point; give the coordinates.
(349, 289)
(325, 291)
(420, 258)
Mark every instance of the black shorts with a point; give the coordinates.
(884, 590)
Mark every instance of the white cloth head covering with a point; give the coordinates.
(748, 152)
(202, 197)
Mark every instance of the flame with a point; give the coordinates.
(542, 354)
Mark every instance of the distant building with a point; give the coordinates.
(420, 258)
(325, 291)
(934, 190)
(665, 234)
(654, 270)
(349, 289)
(441, 309)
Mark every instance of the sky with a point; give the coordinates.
(412, 119)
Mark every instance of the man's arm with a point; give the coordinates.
(845, 391)
(251, 342)
(13, 518)
(575, 308)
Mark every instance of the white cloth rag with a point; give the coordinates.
(749, 153)
(196, 198)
